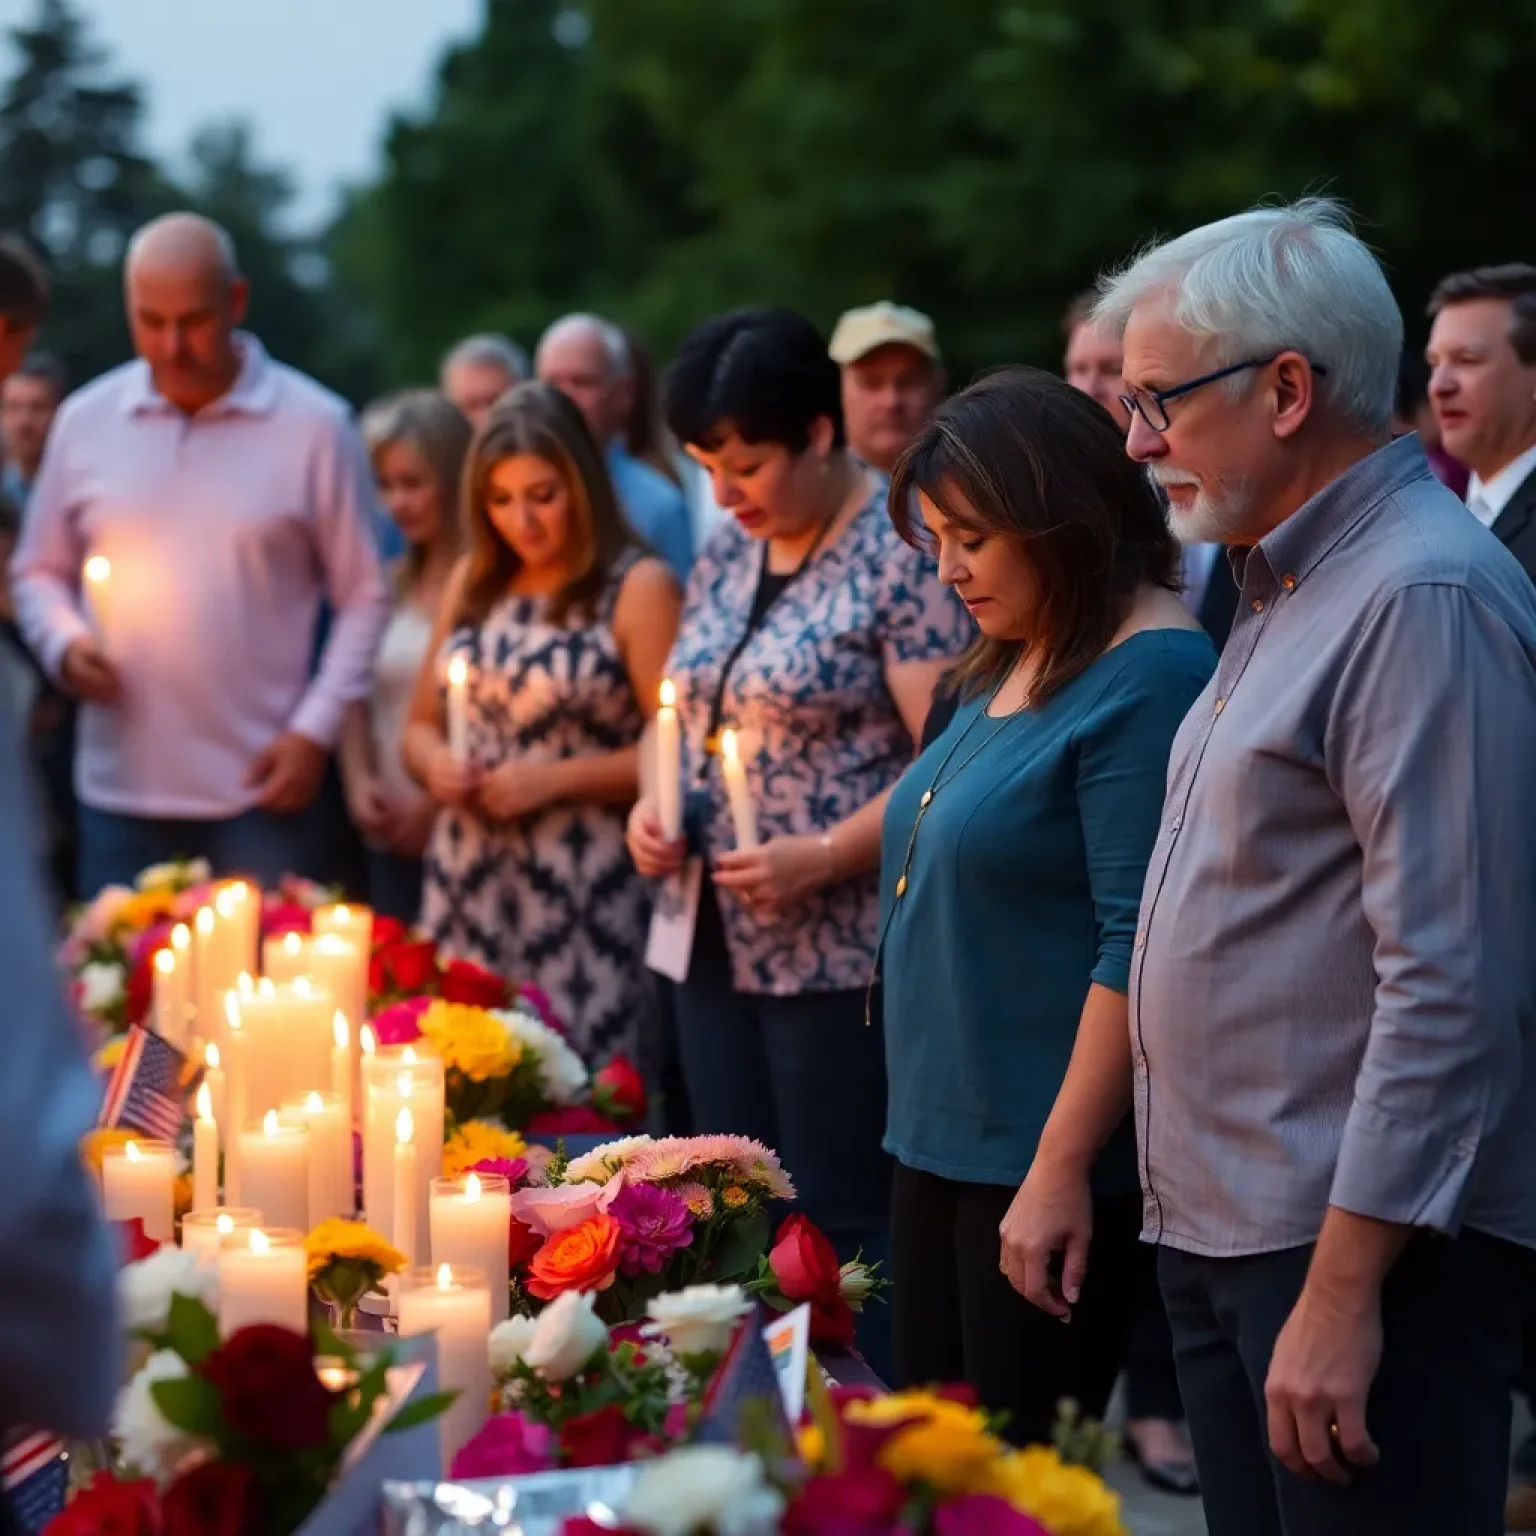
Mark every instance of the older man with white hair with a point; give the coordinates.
(476, 372)
(1333, 1004)
(587, 358)
(220, 498)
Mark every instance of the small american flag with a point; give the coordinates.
(35, 1475)
(148, 1088)
(743, 1402)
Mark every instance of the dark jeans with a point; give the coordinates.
(1525, 1457)
(1438, 1411)
(956, 1317)
(1151, 1378)
(114, 848)
(394, 886)
(805, 1075)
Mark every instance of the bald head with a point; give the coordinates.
(587, 358)
(185, 298)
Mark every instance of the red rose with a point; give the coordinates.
(619, 1089)
(574, 1120)
(140, 991)
(265, 1378)
(110, 1508)
(585, 1525)
(832, 1322)
(410, 967)
(215, 1499)
(600, 1439)
(805, 1263)
(522, 1243)
(388, 932)
(132, 1243)
(860, 1502)
(464, 982)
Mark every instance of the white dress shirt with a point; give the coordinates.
(226, 531)
(1486, 499)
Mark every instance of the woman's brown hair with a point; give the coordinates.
(536, 418)
(1024, 456)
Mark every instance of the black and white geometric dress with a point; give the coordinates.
(553, 898)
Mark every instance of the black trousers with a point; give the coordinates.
(1438, 1411)
(956, 1317)
(1151, 1378)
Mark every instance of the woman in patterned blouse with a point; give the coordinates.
(811, 630)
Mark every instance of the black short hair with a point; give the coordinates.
(1514, 282)
(44, 366)
(24, 286)
(762, 373)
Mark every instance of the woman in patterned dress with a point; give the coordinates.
(816, 634)
(564, 623)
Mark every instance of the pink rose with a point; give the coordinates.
(399, 1023)
(284, 917)
(554, 1208)
(507, 1446)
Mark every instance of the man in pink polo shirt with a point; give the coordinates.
(228, 497)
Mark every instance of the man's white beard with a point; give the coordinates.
(1219, 513)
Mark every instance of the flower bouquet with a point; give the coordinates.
(802, 1267)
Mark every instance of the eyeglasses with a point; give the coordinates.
(1152, 404)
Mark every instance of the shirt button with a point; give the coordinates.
(1258, 605)
(1141, 940)
(1221, 704)
(1288, 581)
(1175, 824)
(901, 887)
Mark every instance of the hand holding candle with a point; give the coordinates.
(738, 791)
(669, 764)
(457, 710)
(98, 591)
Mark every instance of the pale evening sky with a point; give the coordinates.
(317, 79)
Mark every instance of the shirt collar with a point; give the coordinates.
(1294, 548)
(254, 392)
(1496, 491)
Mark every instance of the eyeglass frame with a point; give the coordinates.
(1160, 397)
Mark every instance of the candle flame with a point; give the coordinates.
(269, 1123)
(132, 1153)
(366, 1040)
(472, 1187)
(668, 694)
(409, 1056)
(339, 1031)
(204, 921)
(458, 672)
(165, 962)
(244, 985)
(445, 1277)
(259, 1243)
(240, 890)
(224, 1224)
(211, 1056)
(334, 944)
(728, 747)
(314, 1104)
(226, 902)
(232, 1010)
(403, 1085)
(266, 988)
(292, 943)
(98, 569)
(204, 1103)
(342, 913)
(405, 1128)
(181, 936)
(302, 987)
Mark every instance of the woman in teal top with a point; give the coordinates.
(1012, 863)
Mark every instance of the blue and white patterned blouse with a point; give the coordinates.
(816, 725)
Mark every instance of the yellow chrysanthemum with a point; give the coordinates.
(734, 1197)
(475, 1140)
(472, 1039)
(110, 1054)
(946, 1445)
(143, 908)
(336, 1238)
(94, 1143)
(812, 1445)
(1067, 1500)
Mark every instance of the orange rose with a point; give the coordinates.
(581, 1258)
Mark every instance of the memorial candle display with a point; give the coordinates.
(454, 1302)
(330, 1154)
(284, 957)
(97, 573)
(341, 1063)
(235, 1053)
(173, 993)
(205, 1153)
(138, 1180)
(203, 1232)
(346, 920)
(218, 1089)
(208, 973)
(237, 912)
(738, 792)
(396, 1079)
(669, 764)
(274, 1171)
(471, 1222)
(263, 1278)
(404, 1222)
(340, 967)
(288, 1033)
(458, 709)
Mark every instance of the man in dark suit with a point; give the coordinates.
(1482, 359)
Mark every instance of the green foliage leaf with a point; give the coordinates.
(191, 1329)
(741, 1248)
(190, 1403)
(421, 1410)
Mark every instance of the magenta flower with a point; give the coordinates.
(513, 1169)
(981, 1514)
(655, 1223)
(507, 1446)
(398, 1024)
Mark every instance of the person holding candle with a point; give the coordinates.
(816, 635)
(563, 622)
(417, 442)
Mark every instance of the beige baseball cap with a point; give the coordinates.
(860, 331)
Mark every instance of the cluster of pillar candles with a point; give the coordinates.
(290, 1070)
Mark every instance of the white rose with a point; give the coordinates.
(601, 1163)
(151, 1444)
(566, 1335)
(699, 1319)
(704, 1488)
(561, 1070)
(144, 1289)
(509, 1343)
(101, 986)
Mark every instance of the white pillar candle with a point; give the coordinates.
(186, 971)
(217, 1085)
(203, 1231)
(669, 765)
(236, 1053)
(263, 1278)
(404, 1223)
(347, 921)
(457, 709)
(471, 1221)
(288, 1026)
(209, 975)
(205, 1152)
(173, 992)
(340, 967)
(285, 956)
(97, 581)
(138, 1179)
(395, 1079)
(341, 1064)
(330, 1154)
(738, 791)
(453, 1302)
(274, 1171)
(244, 899)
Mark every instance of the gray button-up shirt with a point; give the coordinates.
(1334, 975)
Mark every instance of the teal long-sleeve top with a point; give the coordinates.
(1022, 889)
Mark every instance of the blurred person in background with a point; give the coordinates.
(563, 621)
(587, 359)
(1414, 413)
(28, 401)
(1482, 385)
(892, 378)
(645, 434)
(1092, 360)
(417, 442)
(476, 372)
